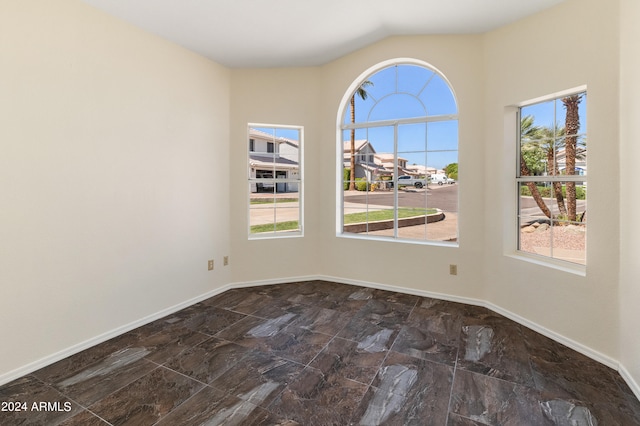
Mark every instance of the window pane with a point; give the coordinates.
(438, 97)
(413, 79)
(442, 136)
(393, 164)
(397, 106)
(412, 138)
(274, 181)
(552, 223)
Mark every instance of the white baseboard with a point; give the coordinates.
(635, 387)
(578, 347)
(72, 350)
(595, 355)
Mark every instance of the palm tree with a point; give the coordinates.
(572, 124)
(529, 132)
(551, 142)
(362, 93)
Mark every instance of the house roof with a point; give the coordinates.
(272, 162)
(255, 133)
(359, 144)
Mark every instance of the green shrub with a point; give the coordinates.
(547, 192)
(361, 184)
(346, 174)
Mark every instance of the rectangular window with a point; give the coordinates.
(395, 196)
(551, 178)
(275, 180)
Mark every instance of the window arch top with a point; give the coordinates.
(402, 91)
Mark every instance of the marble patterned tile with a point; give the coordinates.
(476, 315)
(452, 308)
(323, 353)
(100, 379)
(277, 337)
(384, 313)
(208, 360)
(408, 300)
(214, 407)
(239, 300)
(84, 418)
(22, 403)
(431, 335)
(456, 420)
(344, 358)
(259, 378)
(496, 351)
(314, 399)
(164, 345)
(320, 293)
(321, 320)
(276, 291)
(148, 399)
(369, 337)
(426, 345)
(565, 375)
(255, 327)
(77, 362)
(293, 343)
(279, 307)
(212, 320)
(339, 297)
(407, 391)
(492, 401)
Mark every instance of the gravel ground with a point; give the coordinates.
(564, 237)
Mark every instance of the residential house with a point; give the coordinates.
(365, 160)
(273, 158)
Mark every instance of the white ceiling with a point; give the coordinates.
(282, 33)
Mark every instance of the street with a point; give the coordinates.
(443, 197)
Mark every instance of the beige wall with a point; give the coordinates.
(567, 46)
(280, 97)
(411, 266)
(113, 174)
(629, 198)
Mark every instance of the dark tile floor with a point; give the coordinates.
(321, 353)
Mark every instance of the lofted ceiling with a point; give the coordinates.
(284, 33)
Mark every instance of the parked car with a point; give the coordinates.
(442, 179)
(411, 181)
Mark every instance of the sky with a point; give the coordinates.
(409, 91)
(548, 113)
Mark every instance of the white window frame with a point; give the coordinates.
(540, 259)
(299, 181)
(341, 126)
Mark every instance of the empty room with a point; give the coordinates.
(319, 213)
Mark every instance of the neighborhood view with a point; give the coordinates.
(400, 156)
(399, 178)
(274, 180)
(552, 180)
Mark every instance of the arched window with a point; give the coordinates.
(398, 127)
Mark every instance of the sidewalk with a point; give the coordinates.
(444, 230)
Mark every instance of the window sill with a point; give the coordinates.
(272, 236)
(572, 268)
(399, 240)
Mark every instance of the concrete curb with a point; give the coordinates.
(379, 225)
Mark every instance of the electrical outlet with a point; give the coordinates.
(210, 265)
(453, 269)
(225, 260)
